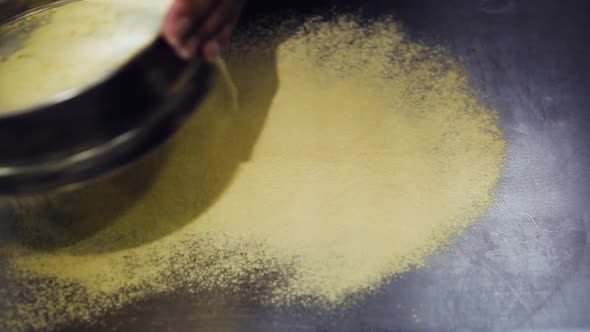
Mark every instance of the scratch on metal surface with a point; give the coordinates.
(534, 221)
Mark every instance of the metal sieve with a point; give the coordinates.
(105, 123)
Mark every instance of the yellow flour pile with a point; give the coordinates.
(72, 46)
(352, 155)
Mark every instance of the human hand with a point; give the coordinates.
(201, 26)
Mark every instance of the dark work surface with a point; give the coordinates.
(526, 265)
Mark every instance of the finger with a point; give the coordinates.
(190, 41)
(175, 23)
(225, 34)
(201, 15)
(212, 49)
(226, 13)
(189, 48)
(183, 13)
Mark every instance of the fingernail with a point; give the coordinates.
(182, 28)
(215, 52)
(190, 48)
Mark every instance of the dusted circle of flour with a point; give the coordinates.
(350, 155)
